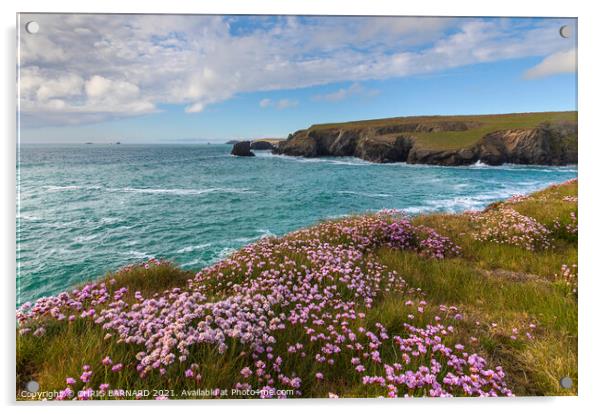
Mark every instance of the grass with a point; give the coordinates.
(517, 313)
(448, 140)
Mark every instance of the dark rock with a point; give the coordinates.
(384, 151)
(262, 145)
(242, 149)
(464, 156)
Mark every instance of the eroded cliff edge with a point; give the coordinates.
(540, 138)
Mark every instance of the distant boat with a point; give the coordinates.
(89, 143)
(117, 143)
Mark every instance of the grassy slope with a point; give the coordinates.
(459, 139)
(532, 291)
(493, 302)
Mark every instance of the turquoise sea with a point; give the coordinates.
(88, 209)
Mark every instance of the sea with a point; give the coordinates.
(84, 210)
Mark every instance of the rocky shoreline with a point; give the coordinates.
(547, 143)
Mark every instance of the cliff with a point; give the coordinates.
(532, 138)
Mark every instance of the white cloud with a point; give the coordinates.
(355, 89)
(286, 103)
(97, 86)
(68, 85)
(107, 66)
(195, 108)
(556, 63)
(279, 104)
(265, 102)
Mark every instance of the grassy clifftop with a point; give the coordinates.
(477, 126)
(482, 303)
(546, 138)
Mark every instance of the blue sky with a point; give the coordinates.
(210, 78)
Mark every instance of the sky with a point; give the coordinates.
(188, 79)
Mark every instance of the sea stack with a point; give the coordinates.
(242, 149)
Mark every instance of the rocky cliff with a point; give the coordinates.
(493, 143)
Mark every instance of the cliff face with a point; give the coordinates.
(549, 144)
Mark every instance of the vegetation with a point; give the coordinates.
(481, 303)
(478, 126)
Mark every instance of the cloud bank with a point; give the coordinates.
(555, 64)
(91, 68)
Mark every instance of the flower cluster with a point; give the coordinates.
(571, 227)
(442, 371)
(435, 245)
(507, 226)
(568, 274)
(320, 282)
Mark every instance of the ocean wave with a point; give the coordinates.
(28, 217)
(197, 247)
(83, 239)
(135, 254)
(58, 188)
(477, 201)
(265, 233)
(225, 252)
(181, 191)
(173, 191)
(371, 195)
(354, 161)
(191, 263)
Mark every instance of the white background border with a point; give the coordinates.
(590, 182)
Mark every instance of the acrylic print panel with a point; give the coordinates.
(293, 206)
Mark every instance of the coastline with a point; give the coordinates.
(547, 138)
(434, 246)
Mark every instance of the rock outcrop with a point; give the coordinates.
(546, 144)
(262, 145)
(242, 149)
